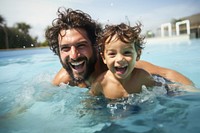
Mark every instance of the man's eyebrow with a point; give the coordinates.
(82, 41)
(69, 45)
(65, 45)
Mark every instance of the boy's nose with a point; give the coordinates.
(119, 58)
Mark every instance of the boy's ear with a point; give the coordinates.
(139, 52)
(102, 56)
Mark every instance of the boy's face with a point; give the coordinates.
(120, 58)
(76, 53)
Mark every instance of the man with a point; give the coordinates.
(73, 38)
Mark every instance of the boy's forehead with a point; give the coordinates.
(111, 39)
(117, 42)
(115, 38)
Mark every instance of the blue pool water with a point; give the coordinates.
(30, 104)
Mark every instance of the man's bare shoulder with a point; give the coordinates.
(61, 77)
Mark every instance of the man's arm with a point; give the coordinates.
(61, 77)
(169, 74)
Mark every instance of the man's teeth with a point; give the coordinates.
(77, 63)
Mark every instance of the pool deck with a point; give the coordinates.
(171, 39)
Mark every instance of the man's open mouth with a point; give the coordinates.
(78, 66)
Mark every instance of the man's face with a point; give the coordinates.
(76, 53)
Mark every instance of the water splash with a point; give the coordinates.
(133, 104)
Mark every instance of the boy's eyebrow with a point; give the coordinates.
(109, 50)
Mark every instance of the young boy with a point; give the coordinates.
(121, 47)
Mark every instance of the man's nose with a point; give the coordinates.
(73, 52)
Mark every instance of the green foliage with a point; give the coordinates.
(17, 36)
(23, 27)
(149, 34)
(44, 44)
(17, 39)
(2, 20)
(3, 38)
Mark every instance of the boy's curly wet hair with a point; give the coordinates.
(125, 33)
(68, 19)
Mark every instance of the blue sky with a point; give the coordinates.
(151, 13)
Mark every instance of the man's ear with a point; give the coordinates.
(139, 52)
(103, 58)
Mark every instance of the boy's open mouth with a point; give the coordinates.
(121, 70)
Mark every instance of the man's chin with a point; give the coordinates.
(78, 76)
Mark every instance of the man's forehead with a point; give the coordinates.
(73, 33)
(73, 37)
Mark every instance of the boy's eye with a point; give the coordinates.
(128, 53)
(111, 54)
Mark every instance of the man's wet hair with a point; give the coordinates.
(70, 19)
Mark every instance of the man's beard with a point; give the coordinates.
(90, 67)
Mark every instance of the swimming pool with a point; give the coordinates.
(30, 104)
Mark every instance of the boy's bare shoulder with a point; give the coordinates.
(145, 77)
(141, 72)
(103, 77)
(97, 85)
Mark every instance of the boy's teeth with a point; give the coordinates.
(121, 70)
(121, 66)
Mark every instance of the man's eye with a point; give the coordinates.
(80, 46)
(65, 49)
